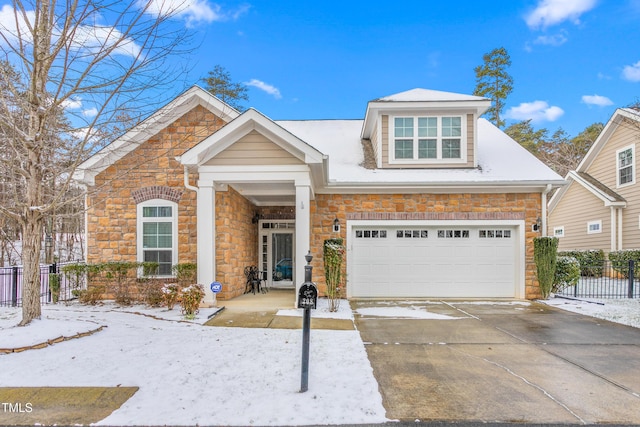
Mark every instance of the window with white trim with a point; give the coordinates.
(558, 231)
(625, 159)
(594, 227)
(158, 234)
(427, 139)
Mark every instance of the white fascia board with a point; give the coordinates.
(377, 108)
(255, 173)
(479, 106)
(604, 136)
(241, 126)
(153, 124)
(608, 201)
(289, 142)
(555, 199)
(440, 188)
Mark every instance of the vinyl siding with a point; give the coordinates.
(578, 207)
(385, 141)
(254, 149)
(604, 169)
(470, 140)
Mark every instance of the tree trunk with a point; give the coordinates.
(31, 243)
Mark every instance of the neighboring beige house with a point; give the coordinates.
(431, 199)
(599, 208)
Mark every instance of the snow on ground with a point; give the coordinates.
(625, 311)
(193, 374)
(398, 312)
(322, 311)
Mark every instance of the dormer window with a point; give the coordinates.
(427, 139)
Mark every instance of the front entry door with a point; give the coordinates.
(277, 253)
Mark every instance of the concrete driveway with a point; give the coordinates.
(501, 362)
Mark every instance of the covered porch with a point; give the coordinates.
(255, 186)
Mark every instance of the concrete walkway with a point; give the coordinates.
(259, 311)
(503, 363)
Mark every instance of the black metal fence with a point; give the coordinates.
(11, 284)
(605, 280)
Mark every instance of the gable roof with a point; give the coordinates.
(580, 175)
(614, 122)
(414, 99)
(243, 124)
(163, 117)
(595, 187)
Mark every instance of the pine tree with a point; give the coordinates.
(219, 83)
(494, 82)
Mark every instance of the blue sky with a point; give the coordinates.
(573, 61)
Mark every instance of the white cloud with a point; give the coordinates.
(536, 111)
(91, 112)
(600, 101)
(632, 72)
(8, 24)
(555, 40)
(552, 12)
(97, 38)
(194, 12)
(72, 103)
(270, 89)
(92, 38)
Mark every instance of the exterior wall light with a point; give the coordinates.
(336, 225)
(537, 226)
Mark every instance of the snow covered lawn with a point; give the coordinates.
(193, 374)
(625, 311)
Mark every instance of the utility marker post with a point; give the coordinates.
(307, 299)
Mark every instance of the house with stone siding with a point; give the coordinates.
(432, 200)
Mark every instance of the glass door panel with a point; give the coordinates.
(282, 258)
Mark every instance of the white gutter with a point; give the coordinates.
(186, 178)
(544, 210)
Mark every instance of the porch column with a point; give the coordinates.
(620, 224)
(614, 229)
(206, 239)
(303, 222)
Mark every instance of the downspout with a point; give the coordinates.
(186, 179)
(544, 210)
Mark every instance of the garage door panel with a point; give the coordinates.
(434, 262)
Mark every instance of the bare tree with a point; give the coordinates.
(62, 57)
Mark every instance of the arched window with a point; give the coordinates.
(158, 234)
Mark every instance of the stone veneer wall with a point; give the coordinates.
(150, 169)
(327, 207)
(236, 241)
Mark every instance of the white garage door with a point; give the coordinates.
(446, 262)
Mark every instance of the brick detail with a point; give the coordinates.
(157, 192)
(436, 216)
(277, 212)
